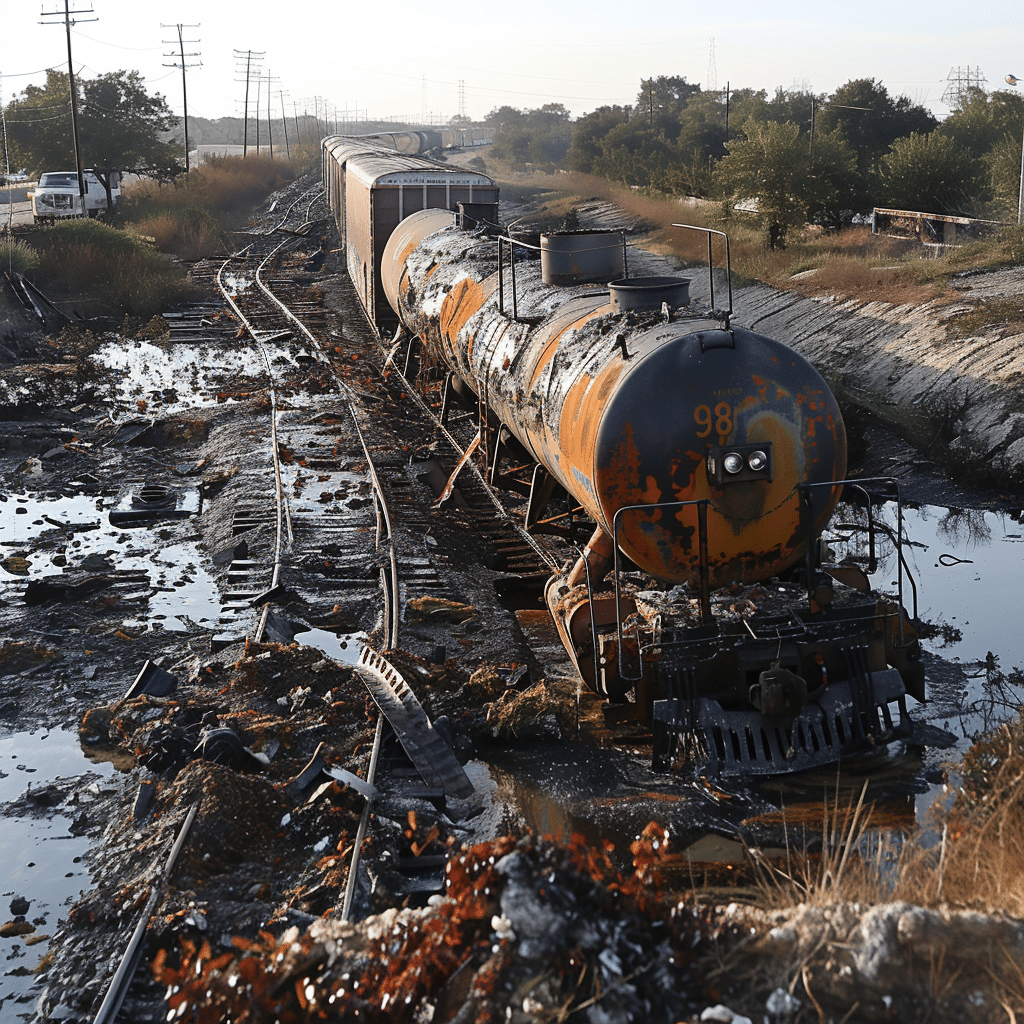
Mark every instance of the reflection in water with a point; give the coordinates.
(965, 526)
(41, 537)
(44, 861)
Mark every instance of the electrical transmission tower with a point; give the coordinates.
(250, 57)
(960, 82)
(180, 63)
(68, 22)
(712, 70)
(462, 98)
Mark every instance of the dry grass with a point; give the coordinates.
(851, 264)
(1005, 317)
(188, 233)
(189, 217)
(980, 862)
(851, 865)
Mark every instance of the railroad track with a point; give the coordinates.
(339, 513)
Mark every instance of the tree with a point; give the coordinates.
(871, 120)
(930, 173)
(773, 165)
(589, 131)
(767, 166)
(539, 136)
(1002, 165)
(834, 187)
(661, 100)
(119, 126)
(501, 117)
(795, 106)
(983, 119)
(39, 126)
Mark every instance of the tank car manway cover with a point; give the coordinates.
(427, 750)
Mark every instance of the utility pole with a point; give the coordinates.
(284, 125)
(248, 56)
(259, 79)
(295, 110)
(68, 22)
(180, 63)
(270, 130)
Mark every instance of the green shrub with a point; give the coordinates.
(17, 256)
(102, 271)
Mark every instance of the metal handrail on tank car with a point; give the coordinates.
(711, 266)
(707, 615)
(512, 242)
(873, 526)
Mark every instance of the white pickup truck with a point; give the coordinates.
(57, 196)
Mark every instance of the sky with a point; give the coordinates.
(399, 59)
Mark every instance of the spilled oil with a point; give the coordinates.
(41, 537)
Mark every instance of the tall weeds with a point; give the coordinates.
(850, 866)
(190, 216)
(93, 269)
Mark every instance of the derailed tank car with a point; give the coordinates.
(706, 457)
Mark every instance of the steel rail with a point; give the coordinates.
(389, 577)
(460, 451)
(122, 978)
(283, 517)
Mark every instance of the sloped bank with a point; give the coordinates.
(961, 396)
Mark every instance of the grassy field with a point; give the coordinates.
(133, 268)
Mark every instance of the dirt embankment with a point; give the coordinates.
(925, 370)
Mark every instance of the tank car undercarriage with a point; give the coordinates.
(795, 672)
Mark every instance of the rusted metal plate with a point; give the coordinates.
(427, 750)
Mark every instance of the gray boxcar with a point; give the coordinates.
(372, 189)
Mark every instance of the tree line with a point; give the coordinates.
(796, 157)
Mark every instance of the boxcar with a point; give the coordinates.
(371, 189)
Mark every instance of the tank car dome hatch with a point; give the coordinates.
(688, 404)
(581, 257)
(642, 293)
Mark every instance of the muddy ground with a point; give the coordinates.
(246, 926)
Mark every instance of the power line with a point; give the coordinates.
(249, 56)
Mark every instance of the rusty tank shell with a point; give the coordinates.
(633, 408)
